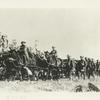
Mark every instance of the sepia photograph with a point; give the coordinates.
(49, 50)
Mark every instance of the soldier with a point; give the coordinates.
(14, 44)
(97, 69)
(4, 42)
(23, 52)
(53, 54)
(90, 69)
(47, 56)
(69, 66)
(54, 51)
(82, 61)
(82, 66)
(93, 65)
(86, 65)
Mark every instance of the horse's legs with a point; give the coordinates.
(77, 74)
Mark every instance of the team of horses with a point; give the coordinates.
(37, 68)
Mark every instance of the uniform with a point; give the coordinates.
(23, 54)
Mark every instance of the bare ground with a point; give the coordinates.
(49, 86)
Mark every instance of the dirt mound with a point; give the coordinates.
(93, 87)
(78, 88)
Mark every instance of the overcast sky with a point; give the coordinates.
(71, 31)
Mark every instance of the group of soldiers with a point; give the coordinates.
(88, 67)
(69, 67)
(84, 67)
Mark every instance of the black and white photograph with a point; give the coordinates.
(50, 50)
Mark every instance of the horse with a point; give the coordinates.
(14, 65)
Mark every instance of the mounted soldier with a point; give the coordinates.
(54, 52)
(53, 58)
(3, 43)
(23, 53)
(15, 45)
